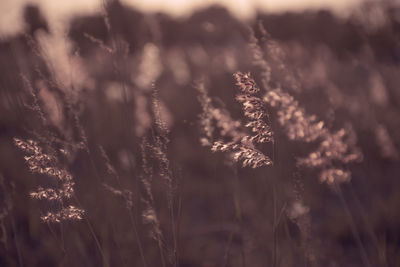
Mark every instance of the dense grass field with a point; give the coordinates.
(137, 139)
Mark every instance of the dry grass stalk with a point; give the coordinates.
(40, 162)
(6, 206)
(254, 109)
(297, 124)
(149, 214)
(258, 60)
(335, 149)
(125, 194)
(159, 149)
(385, 142)
(159, 152)
(213, 118)
(242, 145)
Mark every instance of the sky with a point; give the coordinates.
(57, 11)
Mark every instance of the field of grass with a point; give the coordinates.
(133, 139)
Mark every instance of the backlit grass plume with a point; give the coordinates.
(40, 162)
(242, 145)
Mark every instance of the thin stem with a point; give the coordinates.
(132, 219)
(353, 226)
(92, 232)
(289, 237)
(374, 238)
(55, 236)
(62, 236)
(238, 211)
(117, 47)
(228, 248)
(20, 263)
(275, 237)
(178, 224)
(161, 252)
(137, 237)
(173, 225)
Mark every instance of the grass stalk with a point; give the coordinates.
(353, 226)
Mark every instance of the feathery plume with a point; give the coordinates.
(254, 109)
(241, 146)
(297, 124)
(40, 162)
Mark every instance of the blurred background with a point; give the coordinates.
(79, 77)
(11, 11)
